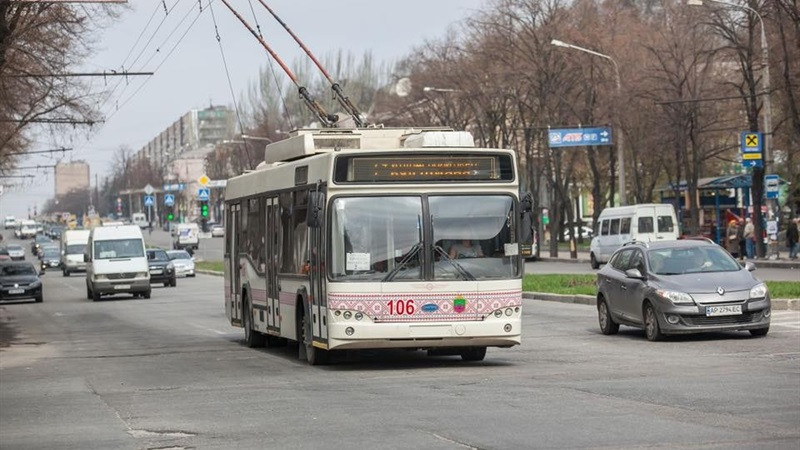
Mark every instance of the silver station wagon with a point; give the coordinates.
(679, 287)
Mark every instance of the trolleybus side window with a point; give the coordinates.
(300, 230)
(254, 233)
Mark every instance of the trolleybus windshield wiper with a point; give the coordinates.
(459, 268)
(411, 253)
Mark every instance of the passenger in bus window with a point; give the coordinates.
(466, 249)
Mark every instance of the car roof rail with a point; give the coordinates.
(635, 242)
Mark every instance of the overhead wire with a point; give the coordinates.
(230, 83)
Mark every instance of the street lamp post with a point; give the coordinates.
(764, 66)
(623, 197)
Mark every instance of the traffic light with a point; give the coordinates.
(204, 210)
(170, 214)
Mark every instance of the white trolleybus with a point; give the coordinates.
(376, 238)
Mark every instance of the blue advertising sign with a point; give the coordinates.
(169, 199)
(752, 145)
(772, 186)
(203, 194)
(149, 200)
(577, 137)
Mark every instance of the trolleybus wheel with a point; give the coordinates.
(252, 338)
(315, 356)
(474, 354)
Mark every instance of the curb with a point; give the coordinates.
(791, 304)
(210, 272)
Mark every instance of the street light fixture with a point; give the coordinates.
(764, 65)
(623, 197)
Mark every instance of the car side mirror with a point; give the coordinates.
(634, 273)
(749, 266)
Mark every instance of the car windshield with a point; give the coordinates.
(76, 249)
(42, 239)
(14, 248)
(157, 255)
(118, 248)
(25, 269)
(52, 253)
(179, 255)
(677, 261)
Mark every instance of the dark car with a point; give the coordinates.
(56, 231)
(161, 268)
(50, 257)
(19, 280)
(679, 287)
(38, 241)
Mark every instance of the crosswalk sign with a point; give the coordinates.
(169, 199)
(203, 194)
(149, 200)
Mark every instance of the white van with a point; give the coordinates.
(27, 229)
(187, 236)
(616, 226)
(116, 262)
(73, 246)
(140, 220)
(9, 222)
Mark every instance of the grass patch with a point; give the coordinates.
(783, 289)
(560, 284)
(585, 284)
(217, 266)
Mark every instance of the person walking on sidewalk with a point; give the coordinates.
(793, 238)
(750, 238)
(740, 238)
(732, 239)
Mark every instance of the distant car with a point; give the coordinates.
(583, 231)
(679, 287)
(37, 242)
(9, 222)
(162, 270)
(183, 262)
(19, 280)
(51, 247)
(16, 252)
(4, 256)
(51, 257)
(217, 230)
(56, 231)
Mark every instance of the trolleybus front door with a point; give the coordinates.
(272, 242)
(316, 273)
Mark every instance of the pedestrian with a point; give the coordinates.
(793, 238)
(750, 238)
(740, 238)
(732, 238)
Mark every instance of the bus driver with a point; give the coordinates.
(466, 249)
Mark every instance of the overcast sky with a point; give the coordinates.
(193, 76)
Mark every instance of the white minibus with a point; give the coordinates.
(616, 226)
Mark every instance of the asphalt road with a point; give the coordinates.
(169, 372)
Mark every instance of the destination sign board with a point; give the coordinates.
(423, 168)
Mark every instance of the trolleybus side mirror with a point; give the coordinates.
(526, 226)
(315, 202)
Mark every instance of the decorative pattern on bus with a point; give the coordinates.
(430, 307)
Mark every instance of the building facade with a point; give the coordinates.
(71, 176)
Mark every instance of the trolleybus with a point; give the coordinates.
(376, 238)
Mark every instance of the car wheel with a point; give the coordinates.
(651, 328)
(65, 273)
(173, 282)
(39, 298)
(607, 324)
(146, 294)
(166, 284)
(758, 332)
(474, 354)
(88, 292)
(252, 338)
(593, 262)
(95, 296)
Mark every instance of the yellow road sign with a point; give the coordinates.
(751, 140)
(203, 180)
(751, 155)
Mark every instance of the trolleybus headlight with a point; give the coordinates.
(359, 316)
(347, 315)
(349, 331)
(516, 310)
(337, 313)
(507, 328)
(509, 311)
(498, 313)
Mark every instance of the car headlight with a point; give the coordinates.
(170, 266)
(676, 297)
(758, 291)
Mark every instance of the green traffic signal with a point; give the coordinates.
(170, 217)
(204, 209)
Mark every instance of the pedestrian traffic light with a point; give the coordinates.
(170, 214)
(204, 209)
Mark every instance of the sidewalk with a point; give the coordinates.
(583, 258)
